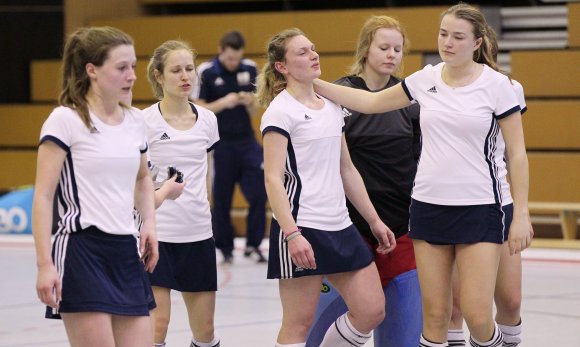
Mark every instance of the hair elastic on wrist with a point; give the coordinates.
(293, 234)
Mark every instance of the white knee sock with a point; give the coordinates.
(303, 344)
(512, 335)
(496, 340)
(214, 343)
(426, 343)
(456, 337)
(343, 333)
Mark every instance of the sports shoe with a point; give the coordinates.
(228, 259)
(249, 250)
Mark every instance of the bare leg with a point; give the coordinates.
(132, 331)
(161, 314)
(435, 266)
(200, 309)
(477, 265)
(363, 295)
(299, 298)
(89, 329)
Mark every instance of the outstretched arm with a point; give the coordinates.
(356, 193)
(390, 99)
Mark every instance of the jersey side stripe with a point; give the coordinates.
(69, 199)
(292, 182)
(489, 147)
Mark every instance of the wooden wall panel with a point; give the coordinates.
(547, 73)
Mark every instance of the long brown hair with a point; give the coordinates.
(270, 81)
(86, 45)
(485, 53)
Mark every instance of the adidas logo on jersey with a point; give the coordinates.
(432, 90)
(307, 117)
(346, 112)
(164, 137)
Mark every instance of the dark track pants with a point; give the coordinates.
(238, 162)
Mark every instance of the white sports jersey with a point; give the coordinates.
(507, 196)
(97, 181)
(312, 175)
(187, 218)
(462, 161)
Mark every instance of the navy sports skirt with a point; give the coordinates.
(334, 252)
(101, 272)
(186, 267)
(450, 225)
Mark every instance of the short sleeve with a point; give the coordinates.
(58, 127)
(275, 119)
(410, 83)
(213, 133)
(519, 89)
(139, 116)
(506, 99)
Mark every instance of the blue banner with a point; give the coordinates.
(16, 212)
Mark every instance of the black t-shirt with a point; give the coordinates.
(385, 149)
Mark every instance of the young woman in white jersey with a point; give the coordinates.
(180, 134)
(308, 171)
(508, 287)
(457, 214)
(92, 153)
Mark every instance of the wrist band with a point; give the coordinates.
(293, 236)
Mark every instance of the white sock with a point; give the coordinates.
(303, 344)
(512, 335)
(496, 340)
(426, 343)
(342, 333)
(456, 337)
(214, 343)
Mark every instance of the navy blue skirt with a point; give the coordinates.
(450, 225)
(101, 272)
(334, 252)
(186, 267)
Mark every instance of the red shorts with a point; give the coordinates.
(399, 261)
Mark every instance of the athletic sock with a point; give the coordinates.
(512, 335)
(496, 340)
(456, 337)
(342, 333)
(214, 343)
(303, 344)
(426, 343)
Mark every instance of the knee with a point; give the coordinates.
(377, 316)
(161, 323)
(365, 321)
(509, 305)
(436, 318)
(207, 327)
(477, 321)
